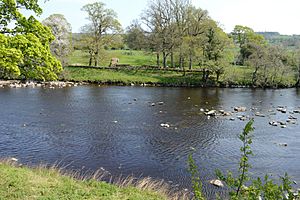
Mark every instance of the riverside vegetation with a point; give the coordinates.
(243, 186)
(138, 67)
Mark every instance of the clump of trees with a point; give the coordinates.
(25, 43)
(181, 36)
(182, 33)
(270, 63)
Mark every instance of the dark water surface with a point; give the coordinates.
(92, 127)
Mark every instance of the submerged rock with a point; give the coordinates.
(283, 144)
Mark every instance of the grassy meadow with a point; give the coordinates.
(133, 58)
(233, 75)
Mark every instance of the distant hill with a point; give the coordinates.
(286, 41)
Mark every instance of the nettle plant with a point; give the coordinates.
(243, 186)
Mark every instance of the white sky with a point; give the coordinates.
(261, 15)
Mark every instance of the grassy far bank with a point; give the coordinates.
(131, 76)
(41, 183)
(233, 75)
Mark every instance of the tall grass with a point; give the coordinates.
(53, 182)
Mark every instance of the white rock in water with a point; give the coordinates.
(165, 125)
(240, 109)
(14, 159)
(217, 183)
(212, 112)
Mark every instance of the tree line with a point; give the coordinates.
(179, 34)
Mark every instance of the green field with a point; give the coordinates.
(133, 58)
(233, 75)
(41, 183)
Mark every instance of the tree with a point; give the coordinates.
(162, 19)
(103, 27)
(10, 58)
(245, 38)
(214, 50)
(62, 31)
(25, 50)
(271, 64)
(196, 26)
(157, 18)
(135, 37)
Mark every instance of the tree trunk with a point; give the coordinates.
(91, 58)
(172, 60)
(90, 61)
(96, 58)
(190, 61)
(218, 75)
(207, 75)
(181, 61)
(157, 59)
(164, 59)
(203, 74)
(254, 76)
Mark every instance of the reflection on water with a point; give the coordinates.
(117, 128)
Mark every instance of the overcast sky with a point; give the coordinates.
(261, 15)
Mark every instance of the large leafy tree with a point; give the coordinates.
(215, 50)
(246, 38)
(25, 50)
(101, 30)
(135, 36)
(62, 30)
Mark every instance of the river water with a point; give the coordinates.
(118, 129)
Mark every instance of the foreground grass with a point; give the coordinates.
(42, 183)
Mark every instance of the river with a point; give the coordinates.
(119, 129)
